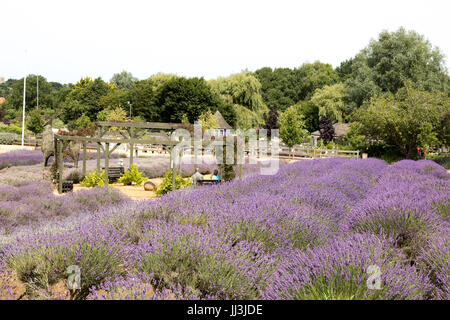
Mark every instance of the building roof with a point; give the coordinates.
(340, 130)
(222, 123)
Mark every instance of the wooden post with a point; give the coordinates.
(60, 165)
(100, 134)
(131, 133)
(172, 164)
(98, 157)
(106, 164)
(84, 157)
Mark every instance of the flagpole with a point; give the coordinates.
(37, 90)
(23, 109)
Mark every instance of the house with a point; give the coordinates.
(340, 130)
(223, 125)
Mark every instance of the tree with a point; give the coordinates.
(82, 122)
(6, 87)
(123, 80)
(280, 88)
(112, 114)
(115, 98)
(292, 126)
(243, 92)
(161, 78)
(387, 64)
(271, 120)
(411, 118)
(330, 101)
(353, 138)
(208, 121)
(14, 100)
(313, 76)
(310, 114)
(185, 96)
(85, 99)
(35, 122)
(326, 129)
(143, 101)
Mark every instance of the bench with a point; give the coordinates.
(203, 182)
(67, 186)
(114, 173)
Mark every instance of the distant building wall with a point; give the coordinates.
(2, 79)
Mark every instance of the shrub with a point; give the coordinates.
(166, 185)
(94, 179)
(20, 158)
(11, 128)
(132, 176)
(339, 270)
(75, 176)
(95, 249)
(442, 160)
(7, 138)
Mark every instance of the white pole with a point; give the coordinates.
(37, 90)
(23, 109)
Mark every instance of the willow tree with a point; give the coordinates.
(331, 101)
(243, 91)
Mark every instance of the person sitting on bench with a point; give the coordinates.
(215, 175)
(196, 177)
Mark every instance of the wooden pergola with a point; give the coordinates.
(131, 134)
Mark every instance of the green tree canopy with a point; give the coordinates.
(313, 76)
(185, 96)
(85, 99)
(143, 101)
(14, 100)
(6, 87)
(387, 64)
(330, 101)
(292, 126)
(280, 88)
(208, 121)
(243, 91)
(412, 118)
(123, 80)
(310, 113)
(82, 122)
(35, 122)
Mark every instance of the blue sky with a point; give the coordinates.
(65, 40)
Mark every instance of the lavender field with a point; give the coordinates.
(314, 230)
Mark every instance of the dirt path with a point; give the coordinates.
(134, 192)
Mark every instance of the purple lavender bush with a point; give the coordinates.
(314, 230)
(31, 203)
(340, 270)
(20, 158)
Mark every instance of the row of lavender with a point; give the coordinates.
(32, 157)
(312, 231)
(151, 167)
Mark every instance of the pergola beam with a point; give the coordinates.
(142, 125)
